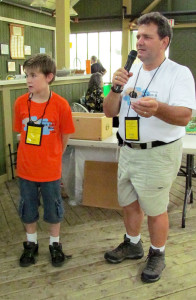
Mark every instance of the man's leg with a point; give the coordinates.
(133, 218)
(158, 229)
(131, 247)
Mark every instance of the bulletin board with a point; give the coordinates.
(16, 41)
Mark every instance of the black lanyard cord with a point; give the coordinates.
(134, 93)
(29, 108)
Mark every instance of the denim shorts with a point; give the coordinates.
(30, 192)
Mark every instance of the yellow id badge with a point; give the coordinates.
(132, 128)
(34, 134)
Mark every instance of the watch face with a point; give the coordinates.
(116, 89)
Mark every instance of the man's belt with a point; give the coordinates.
(148, 145)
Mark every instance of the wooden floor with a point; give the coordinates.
(86, 234)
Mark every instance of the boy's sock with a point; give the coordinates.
(133, 239)
(161, 249)
(54, 239)
(32, 237)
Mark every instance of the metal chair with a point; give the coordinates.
(77, 107)
(13, 156)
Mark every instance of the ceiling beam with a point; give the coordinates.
(185, 25)
(148, 9)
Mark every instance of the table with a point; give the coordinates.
(188, 171)
(107, 150)
(89, 150)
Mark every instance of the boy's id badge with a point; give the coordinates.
(132, 128)
(34, 134)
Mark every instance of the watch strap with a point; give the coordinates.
(116, 90)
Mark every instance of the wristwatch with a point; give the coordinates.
(116, 89)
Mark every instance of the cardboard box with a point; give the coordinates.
(100, 184)
(91, 126)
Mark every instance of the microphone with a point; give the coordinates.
(131, 57)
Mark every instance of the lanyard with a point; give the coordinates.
(133, 94)
(29, 108)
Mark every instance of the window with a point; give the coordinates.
(72, 50)
(105, 45)
(93, 44)
(105, 54)
(81, 51)
(116, 41)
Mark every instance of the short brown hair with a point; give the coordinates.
(164, 29)
(43, 62)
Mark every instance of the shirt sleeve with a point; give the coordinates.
(183, 90)
(66, 120)
(17, 122)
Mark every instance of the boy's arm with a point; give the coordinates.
(65, 138)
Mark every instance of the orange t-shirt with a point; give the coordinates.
(42, 163)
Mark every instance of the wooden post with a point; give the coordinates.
(126, 32)
(62, 34)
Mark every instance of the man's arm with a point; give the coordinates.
(65, 138)
(111, 104)
(175, 115)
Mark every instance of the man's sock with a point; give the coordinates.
(133, 239)
(161, 249)
(54, 239)
(32, 237)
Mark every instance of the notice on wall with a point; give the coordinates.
(16, 41)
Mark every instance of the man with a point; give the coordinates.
(154, 107)
(96, 66)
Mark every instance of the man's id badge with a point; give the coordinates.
(34, 134)
(132, 128)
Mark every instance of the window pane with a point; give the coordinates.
(80, 62)
(116, 41)
(104, 53)
(72, 50)
(92, 44)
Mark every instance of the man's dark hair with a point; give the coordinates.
(43, 62)
(164, 29)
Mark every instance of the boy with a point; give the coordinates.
(44, 121)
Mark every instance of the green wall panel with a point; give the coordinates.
(98, 8)
(14, 94)
(71, 92)
(89, 8)
(183, 48)
(35, 37)
(2, 139)
(10, 11)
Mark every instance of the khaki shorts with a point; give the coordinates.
(147, 176)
